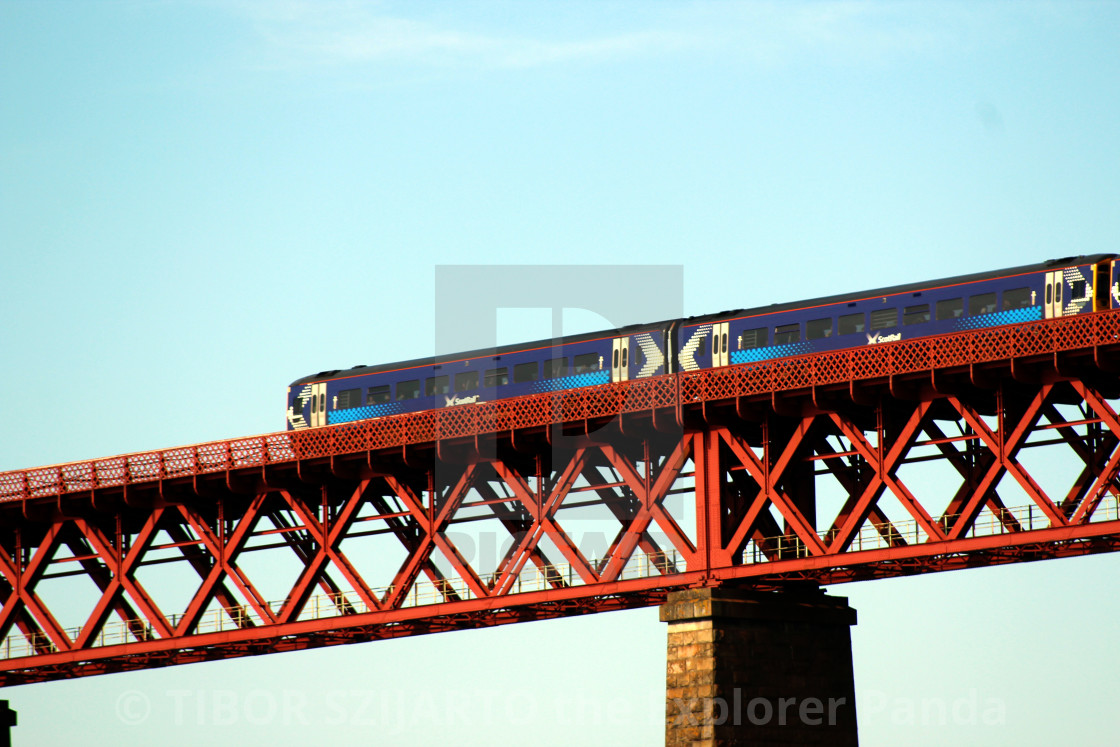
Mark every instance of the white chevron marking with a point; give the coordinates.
(298, 422)
(688, 363)
(653, 355)
(1075, 305)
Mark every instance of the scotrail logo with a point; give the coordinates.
(457, 400)
(879, 337)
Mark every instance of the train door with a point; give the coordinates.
(620, 359)
(318, 404)
(1114, 284)
(720, 350)
(1053, 298)
(1102, 285)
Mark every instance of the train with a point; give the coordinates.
(1017, 295)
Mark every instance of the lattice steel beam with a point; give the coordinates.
(575, 502)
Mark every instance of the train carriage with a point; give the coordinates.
(1022, 294)
(1062, 287)
(362, 392)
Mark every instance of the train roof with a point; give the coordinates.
(703, 318)
(1049, 264)
(480, 353)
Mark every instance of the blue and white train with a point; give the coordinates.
(1060, 287)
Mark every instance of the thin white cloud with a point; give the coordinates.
(300, 34)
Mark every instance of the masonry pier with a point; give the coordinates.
(759, 668)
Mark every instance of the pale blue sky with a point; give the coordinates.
(202, 201)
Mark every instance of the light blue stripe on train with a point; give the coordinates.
(774, 351)
(998, 318)
(573, 382)
(361, 413)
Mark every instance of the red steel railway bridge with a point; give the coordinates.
(993, 446)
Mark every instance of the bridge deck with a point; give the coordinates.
(810, 469)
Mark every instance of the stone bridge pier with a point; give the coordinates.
(759, 668)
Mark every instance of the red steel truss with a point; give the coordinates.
(994, 446)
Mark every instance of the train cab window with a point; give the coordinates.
(496, 377)
(554, 368)
(984, 303)
(586, 363)
(884, 319)
(754, 338)
(377, 395)
(815, 329)
(916, 314)
(851, 324)
(434, 385)
(525, 372)
(465, 381)
(408, 389)
(950, 308)
(1017, 298)
(348, 398)
(787, 333)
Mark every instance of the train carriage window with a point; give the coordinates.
(348, 398)
(884, 319)
(950, 308)
(496, 377)
(815, 329)
(787, 333)
(408, 389)
(586, 362)
(983, 303)
(1017, 298)
(915, 314)
(465, 381)
(437, 385)
(525, 372)
(851, 324)
(754, 338)
(554, 368)
(377, 395)
(1077, 289)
